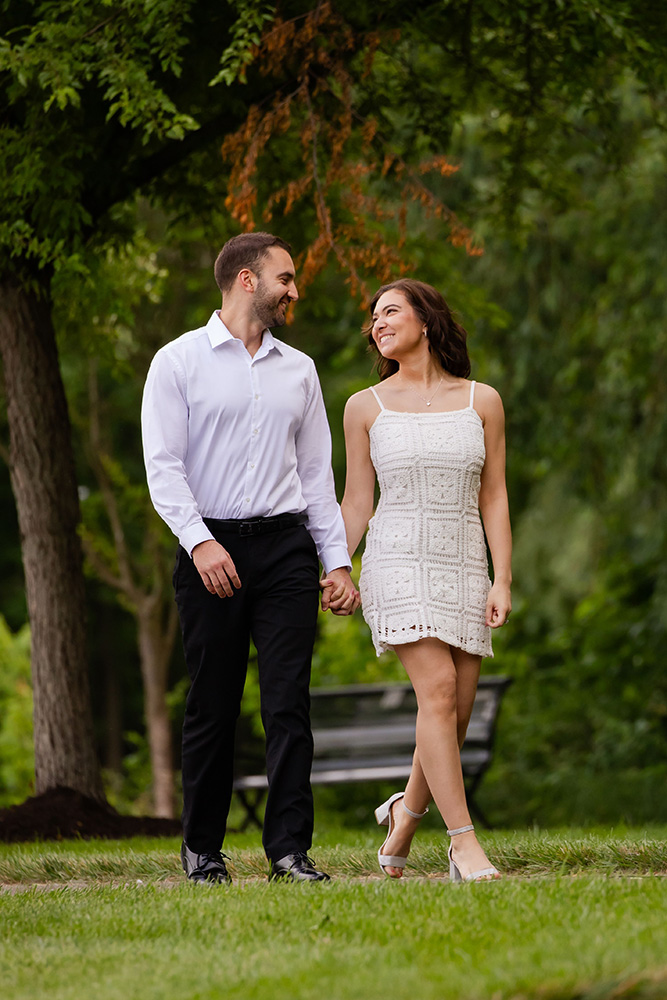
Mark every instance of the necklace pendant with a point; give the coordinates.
(427, 401)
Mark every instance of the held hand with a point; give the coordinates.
(498, 605)
(216, 568)
(339, 595)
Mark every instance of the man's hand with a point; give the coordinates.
(339, 595)
(216, 568)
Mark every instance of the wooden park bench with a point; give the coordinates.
(366, 732)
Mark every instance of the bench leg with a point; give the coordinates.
(251, 803)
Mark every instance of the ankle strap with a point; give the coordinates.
(461, 829)
(414, 814)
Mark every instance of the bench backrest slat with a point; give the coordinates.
(376, 721)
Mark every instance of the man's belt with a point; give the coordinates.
(256, 525)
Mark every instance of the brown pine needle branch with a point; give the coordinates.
(322, 209)
(351, 219)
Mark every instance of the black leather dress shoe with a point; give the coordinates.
(297, 868)
(205, 867)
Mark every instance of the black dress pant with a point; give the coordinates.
(276, 606)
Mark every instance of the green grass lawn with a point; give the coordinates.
(581, 915)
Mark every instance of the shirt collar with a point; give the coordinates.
(219, 334)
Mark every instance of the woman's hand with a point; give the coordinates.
(498, 605)
(339, 594)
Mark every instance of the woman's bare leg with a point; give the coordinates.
(417, 797)
(417, 793)
(467, 675)
(445, 681)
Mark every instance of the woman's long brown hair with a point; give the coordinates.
(446, 338)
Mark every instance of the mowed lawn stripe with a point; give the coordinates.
(556, 937)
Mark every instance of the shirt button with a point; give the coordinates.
(252, 465)
(256, 431)
(256, 395)
(247, 499)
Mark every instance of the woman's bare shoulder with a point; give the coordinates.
(488, 404)
(487, 395)
(361, 402)
(485, 391)
(361, 409)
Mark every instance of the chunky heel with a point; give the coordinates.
(382, 812)
(454, 873)
(384, 818)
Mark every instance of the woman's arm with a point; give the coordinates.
(494, 506)
(357, 503)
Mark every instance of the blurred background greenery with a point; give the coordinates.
(565, 311)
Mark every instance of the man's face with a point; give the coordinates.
(275, 288)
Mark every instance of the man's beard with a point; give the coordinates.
(269, 309)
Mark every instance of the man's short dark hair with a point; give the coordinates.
(245, 250)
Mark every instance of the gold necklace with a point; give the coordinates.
(427, 401)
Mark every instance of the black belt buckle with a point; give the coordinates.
(248, 528)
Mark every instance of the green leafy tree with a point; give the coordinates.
(89, 116)
(101, 101)
(126, 546)
(582, 371)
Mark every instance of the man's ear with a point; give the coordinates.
(247, 279)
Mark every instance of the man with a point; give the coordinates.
(238, 459)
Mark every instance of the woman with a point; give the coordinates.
(436, 442)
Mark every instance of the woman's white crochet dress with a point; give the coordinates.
(424, 570)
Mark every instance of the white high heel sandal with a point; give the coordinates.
(454, 872)
(384, 818)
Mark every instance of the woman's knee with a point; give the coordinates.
(437, 696)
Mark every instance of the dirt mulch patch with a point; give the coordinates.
(62, 814)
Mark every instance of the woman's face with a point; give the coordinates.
(396, 326)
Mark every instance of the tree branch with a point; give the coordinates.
(101, 568)
(128, 584)
(320, 200)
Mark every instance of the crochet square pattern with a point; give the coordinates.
(424, 569)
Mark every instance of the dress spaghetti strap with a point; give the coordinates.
(379, 401)
(472, 394)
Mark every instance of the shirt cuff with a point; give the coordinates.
(335, 557)
(193, 535)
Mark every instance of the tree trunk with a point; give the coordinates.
(155, 647)
(45, 490)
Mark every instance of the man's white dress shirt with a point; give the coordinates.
(227, 435)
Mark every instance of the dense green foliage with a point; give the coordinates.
(584, 373)
(16, 753)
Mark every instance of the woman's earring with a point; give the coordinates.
(425, 331)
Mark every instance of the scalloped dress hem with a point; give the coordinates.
(403, 638)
